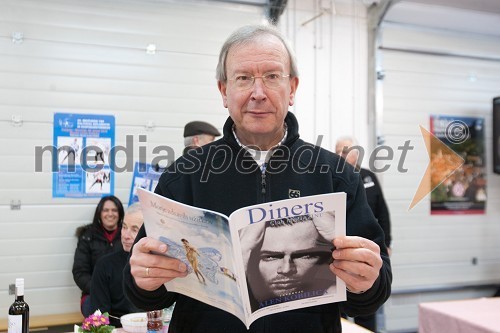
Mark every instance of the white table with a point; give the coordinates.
(480, 315)
(347, 327)
(350, 327)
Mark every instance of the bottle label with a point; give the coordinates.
(15, 324)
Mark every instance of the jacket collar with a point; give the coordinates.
(292, 128)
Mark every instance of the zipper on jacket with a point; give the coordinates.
(263, 181)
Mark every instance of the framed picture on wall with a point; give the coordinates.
(464, 190)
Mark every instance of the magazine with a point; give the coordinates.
(262, 259)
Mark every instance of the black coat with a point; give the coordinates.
(92, 244)
(107, 287)
(377, 202)
(222, 177)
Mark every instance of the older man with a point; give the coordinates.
(348, 148)
(106, 292)
(197, 134)
(260, 158)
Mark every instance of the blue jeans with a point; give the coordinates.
(86, 308)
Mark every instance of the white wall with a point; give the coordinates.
(434, 252)
(330, 38)
(89, 57)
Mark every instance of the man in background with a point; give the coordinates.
(197, 134)
(348, 148)
(107, 280)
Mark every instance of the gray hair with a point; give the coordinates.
(188, 140)
(133, 208)
(350, 141)
(251, 33)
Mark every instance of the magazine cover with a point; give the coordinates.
(201, 239)
(263, 259)
(285, 249)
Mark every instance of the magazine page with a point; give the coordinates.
(201, 239)
(285, 248)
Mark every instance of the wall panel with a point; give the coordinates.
(435, 252)
(89, 57)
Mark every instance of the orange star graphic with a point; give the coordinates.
(442, 164)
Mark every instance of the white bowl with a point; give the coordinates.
(135, 322)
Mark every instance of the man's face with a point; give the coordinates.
(343, 148)
(288, 258)
(132, 222)
(203, 139)
(258, 111)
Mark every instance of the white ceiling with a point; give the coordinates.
(469, 16)
(488, 6)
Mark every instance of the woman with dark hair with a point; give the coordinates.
(100, 237)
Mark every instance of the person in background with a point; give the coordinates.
(346, 147)
(94, 240)
(197, 134)
(106, 289)
(261, 158)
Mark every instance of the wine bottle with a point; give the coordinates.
(19, 311)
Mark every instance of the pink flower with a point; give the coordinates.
(96, 323)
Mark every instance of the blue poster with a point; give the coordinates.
(146, 177)
(83, 161)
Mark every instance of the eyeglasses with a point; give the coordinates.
(271, 80)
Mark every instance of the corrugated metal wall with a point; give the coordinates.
(330, 39)
(90, 57)
(436, 252)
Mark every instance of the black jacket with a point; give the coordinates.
(222, 177)
(107, 287)
(92, 244)
(377, 203)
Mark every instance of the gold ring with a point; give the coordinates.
(147, 271)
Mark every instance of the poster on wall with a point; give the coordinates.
(464, 191)
(145, 176)
(84, 155)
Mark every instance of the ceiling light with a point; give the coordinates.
(151, 49)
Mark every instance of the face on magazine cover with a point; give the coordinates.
(290, 262)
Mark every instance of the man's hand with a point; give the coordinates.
(356, 261)
(325, 224)
(150, 270)
(251, 237)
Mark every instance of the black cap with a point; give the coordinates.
(199, 127)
